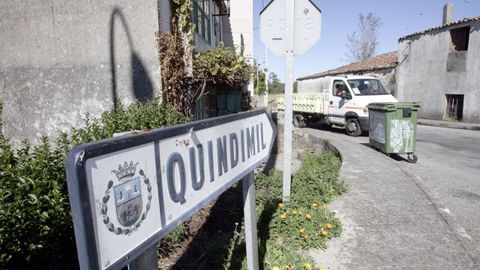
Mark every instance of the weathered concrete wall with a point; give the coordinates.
(427, 71)
(61, 59)
(241, 21)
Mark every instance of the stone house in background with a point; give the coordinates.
(381, 66)
(440, 67)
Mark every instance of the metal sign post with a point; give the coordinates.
(288, 28)
(249, 210)
(287, 148)
(128, 192)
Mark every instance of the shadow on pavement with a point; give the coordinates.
(396, 157)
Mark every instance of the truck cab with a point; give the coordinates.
(348, 100)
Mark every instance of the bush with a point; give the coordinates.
(305, 221)
(35, 224)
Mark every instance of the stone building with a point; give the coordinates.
(440, 67)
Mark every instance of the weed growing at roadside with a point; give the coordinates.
(304, 222)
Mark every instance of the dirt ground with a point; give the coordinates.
(207, 236)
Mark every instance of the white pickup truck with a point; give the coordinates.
(338, 101)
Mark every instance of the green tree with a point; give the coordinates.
(258, 80)
(275, 86)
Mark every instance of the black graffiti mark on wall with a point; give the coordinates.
(142, 86)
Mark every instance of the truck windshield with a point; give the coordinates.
(365, 87)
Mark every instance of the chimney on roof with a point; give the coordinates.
(447, 13)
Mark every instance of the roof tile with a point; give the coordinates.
(383, 61)
(465, 20)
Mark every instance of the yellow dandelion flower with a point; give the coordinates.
(314, 205)
(321, 268)
(321, 225)
(324, 232)
(307, 266)
(301, 230)
(283, 216)
(325, 205)
(329, 226)
(288, 267)
(275, 268)
(308, 216)
(305, 237)
(280, 205)
(294, 212)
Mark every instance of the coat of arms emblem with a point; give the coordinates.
(128, 201)
(128, 191)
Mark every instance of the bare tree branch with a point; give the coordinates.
(362, 44)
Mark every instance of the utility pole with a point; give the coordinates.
(257, 66)
(265, 98)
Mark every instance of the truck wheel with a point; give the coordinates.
(299, 121)
(353, 127)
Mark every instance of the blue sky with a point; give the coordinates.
(340, 18)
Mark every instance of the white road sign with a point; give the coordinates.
(306, 30)
(128, 192)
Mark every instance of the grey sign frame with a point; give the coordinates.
(79, 192)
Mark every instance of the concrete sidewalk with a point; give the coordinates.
(389, 220)
(448, 124)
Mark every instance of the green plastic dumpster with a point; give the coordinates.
(393, 128)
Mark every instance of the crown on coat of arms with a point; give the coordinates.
(128, 170)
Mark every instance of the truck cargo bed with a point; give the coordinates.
(303, 102)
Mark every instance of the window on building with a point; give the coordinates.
(454, 109)
(201, 18)
(460, 38)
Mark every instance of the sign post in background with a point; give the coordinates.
(128, 192)
(289, 28)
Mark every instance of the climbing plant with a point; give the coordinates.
(187, 74)
(175, 52)
(223, 67)
(177, 83)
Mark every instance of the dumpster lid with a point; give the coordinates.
(393, 106)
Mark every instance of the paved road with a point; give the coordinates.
(449, 168)
(449, 165)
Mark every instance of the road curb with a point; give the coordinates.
(458, 233)
(466, 241)
(446, 124)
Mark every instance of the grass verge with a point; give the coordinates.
(285, 231)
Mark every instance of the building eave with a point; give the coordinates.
(459, 22)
